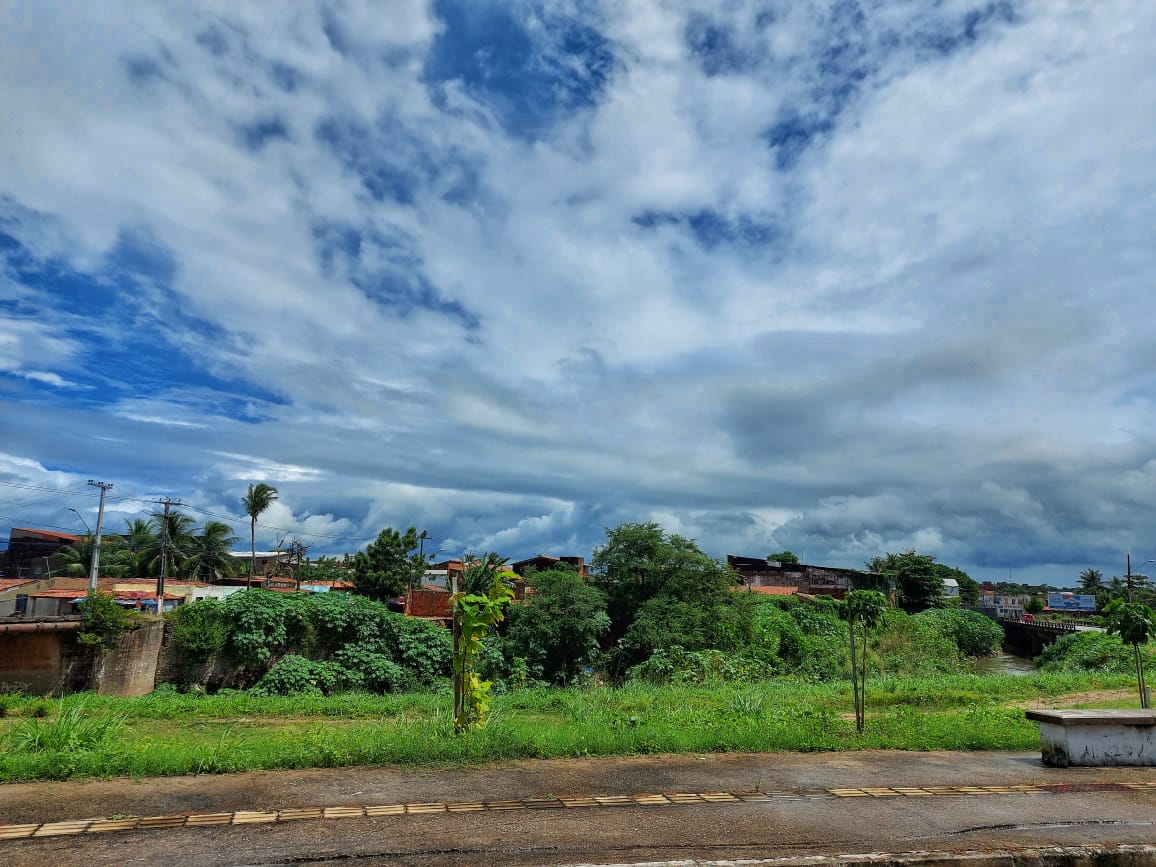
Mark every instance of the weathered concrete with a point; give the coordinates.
(1097, 738)
(129, 667)
(42, 662)
(51, 661)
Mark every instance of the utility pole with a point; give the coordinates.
(167, 502)
(1128, 583)
(95, 571)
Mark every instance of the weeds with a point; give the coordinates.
(235, 731)
(72, 730)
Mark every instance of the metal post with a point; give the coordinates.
(95, 570)
(1128, 583)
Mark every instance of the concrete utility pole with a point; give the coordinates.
(167, 501)
(95, 570)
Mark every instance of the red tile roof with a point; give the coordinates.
(9, 583)
(67, 537)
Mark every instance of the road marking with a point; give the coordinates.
(572, 802)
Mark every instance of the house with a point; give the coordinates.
(265, 563)
(29, 551)
(14, 595)
(950, 588)
(756, 572)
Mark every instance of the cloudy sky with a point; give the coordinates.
(839, 277)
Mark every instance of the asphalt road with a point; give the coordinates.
(545, 812)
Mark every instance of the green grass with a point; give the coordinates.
(168, 733)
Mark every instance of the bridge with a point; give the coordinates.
(1029, 639)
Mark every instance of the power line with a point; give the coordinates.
(78, 491)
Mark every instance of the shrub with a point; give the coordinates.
(263, 625)
(973, 633)
(104, 620)
(197, 631)
(296, 674)
(1088, 651)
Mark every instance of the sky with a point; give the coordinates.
(842, 278)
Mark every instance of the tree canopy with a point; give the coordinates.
(388, 564)
(918, 578)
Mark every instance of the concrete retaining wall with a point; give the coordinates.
(56, 663)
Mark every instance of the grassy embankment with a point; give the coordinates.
(168, 733)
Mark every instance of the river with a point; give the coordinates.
(1004, 663)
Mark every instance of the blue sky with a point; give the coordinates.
(838, 277)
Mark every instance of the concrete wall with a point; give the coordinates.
(129, 667)
(55, 663)
(43, 663)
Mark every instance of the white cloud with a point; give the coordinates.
(944, 292)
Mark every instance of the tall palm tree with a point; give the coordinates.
(1091, 580)
(259, 498)
(208, 557)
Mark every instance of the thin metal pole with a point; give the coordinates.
(95, 570)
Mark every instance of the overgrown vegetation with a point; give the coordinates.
(104, 620)
(327, 642)
(181, 733)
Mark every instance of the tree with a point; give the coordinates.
(784, 557)
(207, 556)
(865, 609)
(1091, 581)
(636, 563)
(258, 498)
(75, 560)
(475, 614)
(1034, 605)
(558, 628)
(662, 591)
(172, 536)
(1135, 623)
(140, 543)
(917, 578)
(388, 565)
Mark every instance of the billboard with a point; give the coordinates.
(1071, 602)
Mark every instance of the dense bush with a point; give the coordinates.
(104, 620)
(910, 644)
(1089, 651)
(197, 632)
(973, 633)
(312, 643)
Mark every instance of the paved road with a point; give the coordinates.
(597, 811)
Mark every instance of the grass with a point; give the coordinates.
(167, 733)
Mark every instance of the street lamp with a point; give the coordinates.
(81, 520)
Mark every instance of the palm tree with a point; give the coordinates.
(1135, 623)
(140, 545)
(1091, 581)
(74, 560)
(1117, 588)
(172, 534)
(208, 557)
(259, 498)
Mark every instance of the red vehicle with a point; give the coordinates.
(1028, 618)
